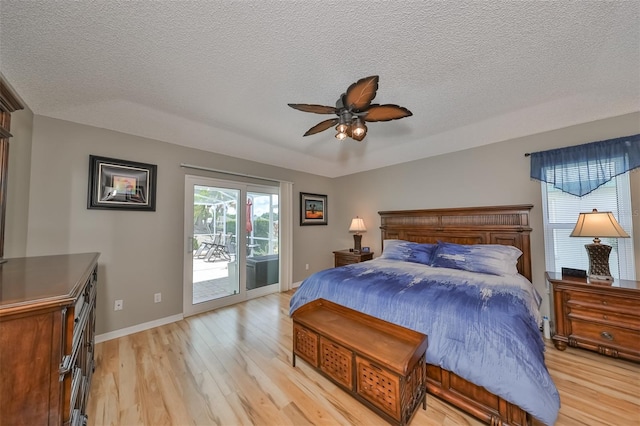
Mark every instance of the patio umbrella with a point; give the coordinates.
(249, 225)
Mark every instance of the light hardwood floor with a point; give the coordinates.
(233, 367)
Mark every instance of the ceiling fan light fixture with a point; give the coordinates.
(358, 138)
(359, 129)
(341, 135)
(345, 119)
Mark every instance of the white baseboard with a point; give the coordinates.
(168, 320)
(136, 328)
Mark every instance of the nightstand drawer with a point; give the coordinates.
(603, 302)
(603, 316)
(606, 335)
(346, 257)
(347, 260)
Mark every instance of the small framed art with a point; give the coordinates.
(121, 184)
(313, 209)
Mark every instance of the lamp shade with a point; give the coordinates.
(598, 224)
(357, 225)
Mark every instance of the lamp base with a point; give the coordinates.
(601, 278)
(357, 242)
(599, 262)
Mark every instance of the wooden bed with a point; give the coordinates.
(508, 225)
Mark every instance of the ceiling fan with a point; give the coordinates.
(353, 108)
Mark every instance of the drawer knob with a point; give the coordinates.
(604, 302)
(606, 335)
(605, 317)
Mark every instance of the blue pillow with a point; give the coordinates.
(494, 259)
(408, 251)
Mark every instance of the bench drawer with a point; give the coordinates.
(378, 386)
(305, 344)
(336, 362)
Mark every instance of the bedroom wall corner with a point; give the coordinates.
(18, 183)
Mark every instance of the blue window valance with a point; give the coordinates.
(581, 169)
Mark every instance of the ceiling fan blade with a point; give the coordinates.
(386, 113)
(360, 94)
(322, 126)
(317, 109)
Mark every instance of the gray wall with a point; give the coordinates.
(141, 252)
(496, 174)
(16, 225)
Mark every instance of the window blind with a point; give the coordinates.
(560, 213)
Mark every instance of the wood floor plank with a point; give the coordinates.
(233, 366)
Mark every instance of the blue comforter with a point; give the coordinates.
(482, 327)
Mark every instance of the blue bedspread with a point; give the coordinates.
(482, 327)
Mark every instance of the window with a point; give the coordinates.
(560, 213)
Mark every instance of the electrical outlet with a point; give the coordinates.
(157, 298)
(118, 305)
(306, 266)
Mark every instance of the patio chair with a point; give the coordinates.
(207, 246)
(219, 250)
(230, 246)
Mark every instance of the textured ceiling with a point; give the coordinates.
(217, 75)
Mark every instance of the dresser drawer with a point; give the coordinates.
(605, 302)
(336, 362)
(605, 335)
(378, 386)
(305, 344)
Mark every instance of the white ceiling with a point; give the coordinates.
(217, 75)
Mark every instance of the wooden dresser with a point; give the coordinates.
(47, 328)
(346, 257)
(381, 364)
(599, 316)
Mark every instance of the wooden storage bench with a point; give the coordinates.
(381, 364)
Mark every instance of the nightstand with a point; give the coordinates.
(346, 257)
(600, 316)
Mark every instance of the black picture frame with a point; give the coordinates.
(313, 209)
(121, 184)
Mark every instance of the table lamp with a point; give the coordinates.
(357, 226)
(598, 224)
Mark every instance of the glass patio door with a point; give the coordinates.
(213, 210)
(262, 240)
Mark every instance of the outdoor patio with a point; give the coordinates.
(210, 280)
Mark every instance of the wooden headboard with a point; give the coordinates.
(508, 225)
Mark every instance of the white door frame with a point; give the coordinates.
(285, 228)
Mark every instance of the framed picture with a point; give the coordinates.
(313, 209)
(121, 184)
